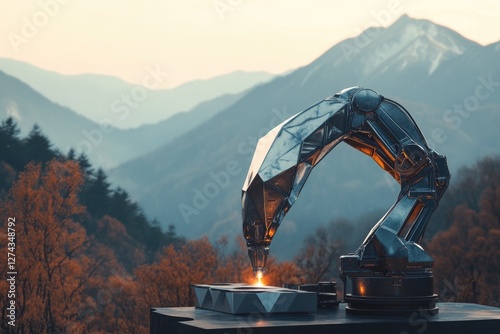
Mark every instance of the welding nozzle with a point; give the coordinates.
(258, 256)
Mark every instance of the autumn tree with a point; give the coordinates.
(279, 273)
(466, 188)
(113, 303)
(467, 254)
(129, 252)
(7, 177)
(167, 282)
(232, 266)
(50, 244)
(123, 308)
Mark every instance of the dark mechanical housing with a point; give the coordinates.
(390, 271)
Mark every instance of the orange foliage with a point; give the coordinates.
(167, 283)
(281, 273)
(116, 236)
(61, 272)
(49, 247)
(234, 267)
(118, 307)
(467, 255)
(68, 283)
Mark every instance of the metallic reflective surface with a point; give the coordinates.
(237, 298)
(376, 126)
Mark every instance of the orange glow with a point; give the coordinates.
(259, 282)
(259, 275)
(361, 289)
(250, 278)
(259, 279)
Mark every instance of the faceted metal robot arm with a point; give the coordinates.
(280, 166)
(373, 125)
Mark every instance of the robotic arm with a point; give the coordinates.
(374, 125)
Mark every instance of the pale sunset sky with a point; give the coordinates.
(199, 39)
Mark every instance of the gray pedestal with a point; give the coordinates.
(453, 318)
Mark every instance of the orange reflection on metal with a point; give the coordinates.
(362, 289)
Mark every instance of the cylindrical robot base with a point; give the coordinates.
(391, 295)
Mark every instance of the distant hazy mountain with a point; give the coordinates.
(106, 146)
(124, 105)
(195, 181)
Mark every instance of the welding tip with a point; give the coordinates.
(258, 273)
(258, 256)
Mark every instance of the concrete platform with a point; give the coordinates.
(453, 318)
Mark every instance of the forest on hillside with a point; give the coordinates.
(89, 260)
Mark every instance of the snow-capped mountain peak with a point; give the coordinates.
(410, 42)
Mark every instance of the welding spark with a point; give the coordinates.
(259, 278)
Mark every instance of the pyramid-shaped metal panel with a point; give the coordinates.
(260, 153)
(314, 142)
(286, 301)
(237, 298)
(268, 300)
(303, 171)
(284, 180)
(277, 166)
(336, 125)
(310, 119)
(201, 297)
(274, 198)
(282, 145)
(254, 197)
(327, 148)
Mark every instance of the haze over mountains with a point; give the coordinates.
(106, 146)
(124, 105)
(190, 173)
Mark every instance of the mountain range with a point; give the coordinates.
(188, 170)
(106, 146)
(125, 105)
